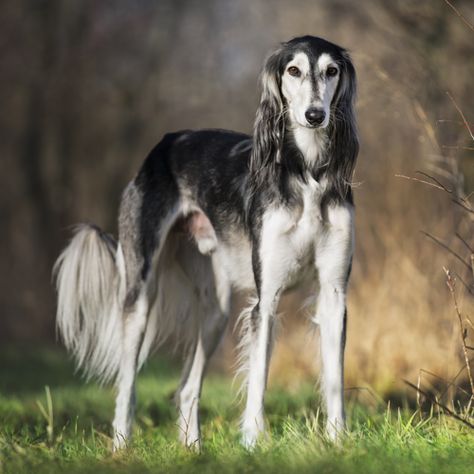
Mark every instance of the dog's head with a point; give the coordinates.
(307, 78)
(308, 82)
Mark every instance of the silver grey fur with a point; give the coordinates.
(89, 312)
(207, 213)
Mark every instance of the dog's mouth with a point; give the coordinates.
(314, 127)
(307, 125)
(310, 126)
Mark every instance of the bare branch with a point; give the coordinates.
(460, 15)
(452, 285)
(439, 183)
(468, 319)
(460, 112)
(462, 202)
(463, 240)
(419, 181)
(457, 122)
(457, 147)
(460, 371)
(443, 245)
(440, 405)
(447, 382)
(468, 288)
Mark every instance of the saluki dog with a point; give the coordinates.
(212, 211)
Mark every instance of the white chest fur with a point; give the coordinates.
(286, 245)
(289, 236)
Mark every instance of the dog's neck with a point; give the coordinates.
(311, 142)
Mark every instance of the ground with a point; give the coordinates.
(51, 421)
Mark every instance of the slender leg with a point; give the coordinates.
(190, 391)
(133, 330)
(333, 259)
(331, 319)
(260, 345)
(270, 273)
(188, 397)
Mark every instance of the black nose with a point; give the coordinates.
(315, 116)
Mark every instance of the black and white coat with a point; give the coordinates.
(214, 211)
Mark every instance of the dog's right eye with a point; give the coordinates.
(294, 71)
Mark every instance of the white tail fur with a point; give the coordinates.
(90, 296)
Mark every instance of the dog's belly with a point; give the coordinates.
(233, 259)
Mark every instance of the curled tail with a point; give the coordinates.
(89, 312)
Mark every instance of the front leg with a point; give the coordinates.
(272, 260)
(260, 341)
(333, 260)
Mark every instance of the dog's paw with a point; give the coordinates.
(252, 432)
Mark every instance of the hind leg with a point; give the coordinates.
(190, 391)
(209, 336)
(135, 318)
(141, 239)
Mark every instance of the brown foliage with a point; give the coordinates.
(87, 88)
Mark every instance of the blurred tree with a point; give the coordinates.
(87, 88)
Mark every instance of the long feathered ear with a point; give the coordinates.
(269, 124)
(344, 143)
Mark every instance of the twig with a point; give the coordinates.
(440, 405)
(462, 202)
(460, 371)
(443, 245)
(460, 15)
(451, 285)
(468, 319)
(457, 147)
(460, 112)
(467, 207)
(447, 382)
(450, 191)
(468, 288)
(419, 181)
(418, 389)
(457, 122)
(420, 111)
(463, 240)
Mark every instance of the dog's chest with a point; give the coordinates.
(286, 247)
(305, 219)
(290, 234)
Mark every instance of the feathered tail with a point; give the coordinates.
(90, 296)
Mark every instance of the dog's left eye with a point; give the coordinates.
(331, 71)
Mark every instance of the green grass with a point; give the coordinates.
(68, 431)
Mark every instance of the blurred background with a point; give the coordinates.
(88, 88)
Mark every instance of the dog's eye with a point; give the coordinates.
(294, 71)
(331, 71)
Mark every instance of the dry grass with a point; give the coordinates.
(401, 316)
